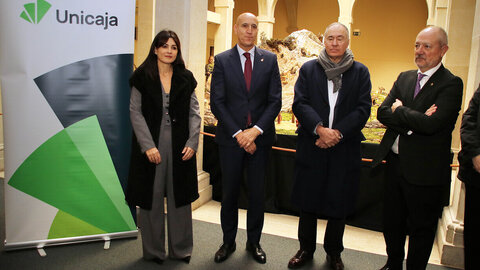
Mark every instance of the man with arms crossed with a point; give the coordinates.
(420, 114)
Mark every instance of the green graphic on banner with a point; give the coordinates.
(101, 165)
(65, 225)
(40, 9)
(73, 172)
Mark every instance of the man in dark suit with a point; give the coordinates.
(420, 114)
(245, 98)
(469, 173)
(332, 103)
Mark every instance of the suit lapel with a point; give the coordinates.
(258, 63)
(236, 67)
(345, 85)
(410, 88)
(322, 84)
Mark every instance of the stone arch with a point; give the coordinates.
(211, 5)
(313, 15)
(266, 19)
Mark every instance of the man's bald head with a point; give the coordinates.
(337, 25)
(246, 15)
(246, 29)
(439, 32)
(431, 45)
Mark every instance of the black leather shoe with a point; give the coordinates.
(224, 251)
(158, 260)
(187, 259)
(257, 252)
(335, 262)
(300, 259)
(387, 267)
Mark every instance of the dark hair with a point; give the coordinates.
(150, 64)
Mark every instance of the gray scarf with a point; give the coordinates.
(333, 70)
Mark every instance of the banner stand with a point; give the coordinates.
(70, 240)
(64, 70)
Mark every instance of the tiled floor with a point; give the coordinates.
(286, 226)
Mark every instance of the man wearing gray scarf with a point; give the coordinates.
(332, 103)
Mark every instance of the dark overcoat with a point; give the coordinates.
(326, 180)
(470, 137)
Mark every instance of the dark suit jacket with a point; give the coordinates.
(425, 153)
(470, 137)
(326, 180)
(230, 101)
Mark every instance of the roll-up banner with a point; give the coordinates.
(64, 70)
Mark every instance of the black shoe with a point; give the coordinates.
(335, 262)
(187, 259)
(224, 251)
(300, 259)
(388, 267)
(158, 260)
(257, 252)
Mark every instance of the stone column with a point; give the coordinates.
(223, 36)
(188, 18)
(266, 19)
(457, 17)
(346, 11)
(441, 13)
(292, 7)
(2, 161)
(145, 29)
(431, 12)
(459, 26)
(474, 67)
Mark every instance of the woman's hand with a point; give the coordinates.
(153, 155)
(187, 153)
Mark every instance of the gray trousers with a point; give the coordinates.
(179, 220)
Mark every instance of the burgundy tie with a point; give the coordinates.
(417, 86)
(247, 72)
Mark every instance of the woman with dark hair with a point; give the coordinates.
(165, 116)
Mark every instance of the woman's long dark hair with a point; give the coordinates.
(150, 64)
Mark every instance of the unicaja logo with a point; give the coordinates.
(34, 12)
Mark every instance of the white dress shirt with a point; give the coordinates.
(332, 101)
(243, 59)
